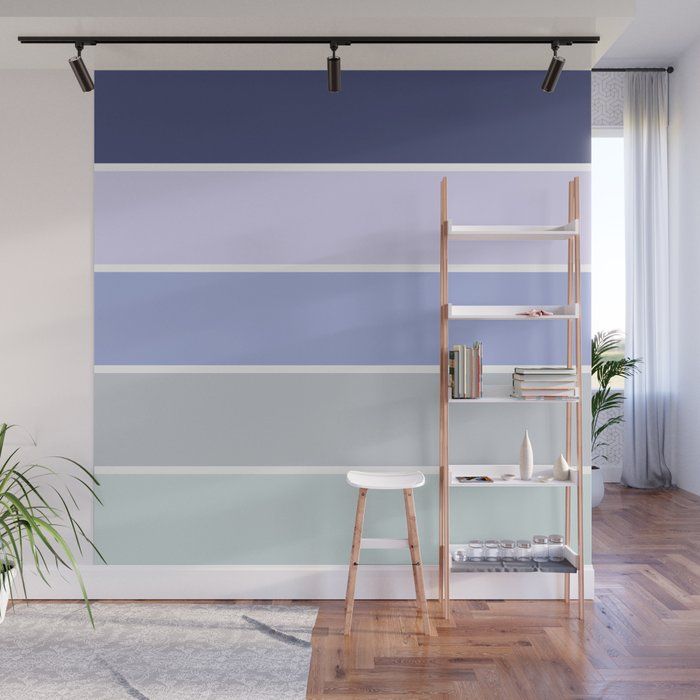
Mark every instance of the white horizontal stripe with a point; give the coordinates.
(196, 471)
(293, 369)
(265, 470)
(389, 267)
(508, 369)
(266, 369)
(344, 167)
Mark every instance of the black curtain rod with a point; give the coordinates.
(340, 40)
(668, 69)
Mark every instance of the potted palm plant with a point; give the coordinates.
(37, 523)
(608, 363)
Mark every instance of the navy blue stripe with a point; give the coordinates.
(379, 117)
(315, 318)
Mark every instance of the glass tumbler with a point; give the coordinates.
(491, 550)
(540, 552)
(475, 550)
(524, 550)
(458, 555)
(507, 550)
(556, 548)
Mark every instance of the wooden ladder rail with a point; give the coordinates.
(574, 353)
(444, 535)
(579, 403)
(569, 363)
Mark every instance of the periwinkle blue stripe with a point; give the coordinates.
(316, 318)
(379, 117)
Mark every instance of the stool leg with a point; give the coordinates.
(417, 566)
(354, 559)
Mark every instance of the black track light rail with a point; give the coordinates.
(339, 40)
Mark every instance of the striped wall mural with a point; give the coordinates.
(266, 301)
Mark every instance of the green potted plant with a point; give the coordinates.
(608, 363)
(37, 522)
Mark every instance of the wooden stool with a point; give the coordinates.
(406, 481)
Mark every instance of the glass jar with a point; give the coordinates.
(524, 550)
(556, 548)
(458, 555)
(540, 551)
(507, 550)
(475, 550)
(491, 550)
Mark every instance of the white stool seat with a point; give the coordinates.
(385, 480)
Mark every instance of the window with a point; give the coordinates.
(608, 231)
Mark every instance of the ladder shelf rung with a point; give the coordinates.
(458, 312)
(512, 233)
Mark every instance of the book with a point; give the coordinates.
(538, 397)
(539, 394)
(545, 392)
(545, 379)
(543, 384)
(545, 370)
(466, 368)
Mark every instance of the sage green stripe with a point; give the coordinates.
(307, 420)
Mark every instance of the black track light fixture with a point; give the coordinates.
(333, 62)
(82, 75)
(333, 65)
(556, 65)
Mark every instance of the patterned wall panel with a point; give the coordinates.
(607, 99)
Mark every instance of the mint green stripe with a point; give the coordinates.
(297, 519)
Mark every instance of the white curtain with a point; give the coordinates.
(647, 408)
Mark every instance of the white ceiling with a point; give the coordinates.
(660, 31)
(608, 18)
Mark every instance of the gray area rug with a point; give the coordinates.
(155, 651)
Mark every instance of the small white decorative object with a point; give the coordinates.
(527, 461)
(561, 469)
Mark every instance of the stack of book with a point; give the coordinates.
(466, 371)
(544, 383)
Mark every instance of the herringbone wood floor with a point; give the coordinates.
(641, 636)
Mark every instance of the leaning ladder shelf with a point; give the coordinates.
(571, 314)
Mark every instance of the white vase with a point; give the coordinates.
(6, 578)
(561, 470)
(597, 486)
(527, 461)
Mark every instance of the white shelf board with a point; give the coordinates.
(512, 233)
(510, 313)
(511, 399)
(501, 393)
(495, 471)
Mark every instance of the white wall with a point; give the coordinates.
(46, 139)
(684, 175)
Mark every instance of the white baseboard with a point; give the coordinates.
(302, 582)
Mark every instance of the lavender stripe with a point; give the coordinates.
(321, 318)
(342, 218)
